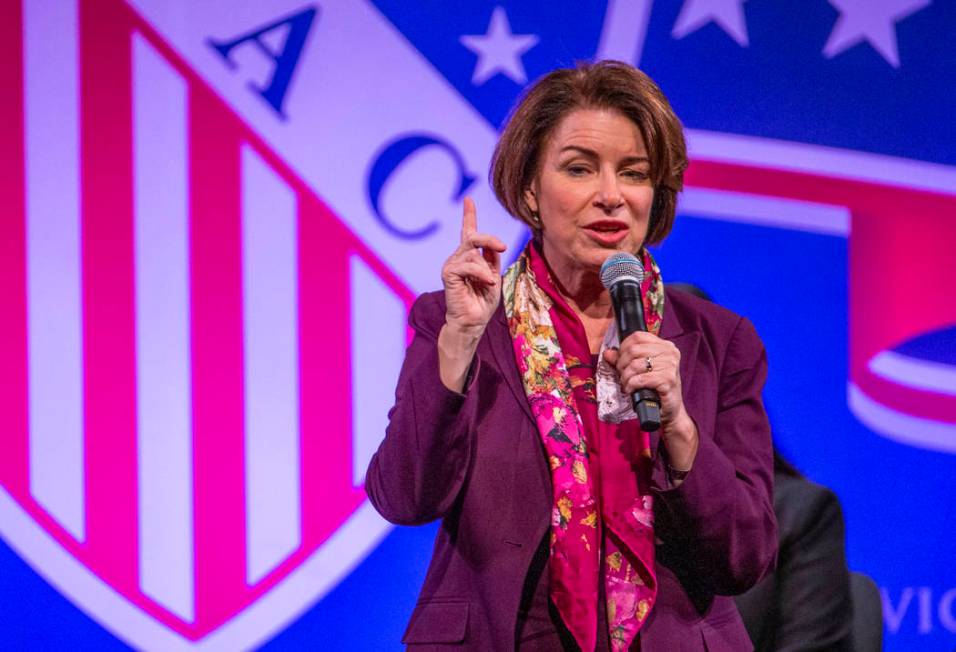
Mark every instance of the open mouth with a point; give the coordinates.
(607, 232)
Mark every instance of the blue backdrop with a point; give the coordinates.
(821, 137)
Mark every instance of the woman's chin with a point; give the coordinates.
(594, 257)
(596, 254)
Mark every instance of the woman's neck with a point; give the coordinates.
(585, 293)
(591, 302)
(580, 286)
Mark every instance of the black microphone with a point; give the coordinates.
(622, 274)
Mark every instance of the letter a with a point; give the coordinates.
(285, 58)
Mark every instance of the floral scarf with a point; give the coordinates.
(585, 517)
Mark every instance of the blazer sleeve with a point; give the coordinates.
(719, 523)
(421, 465)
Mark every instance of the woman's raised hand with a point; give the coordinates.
(472, 280)
(472, 276)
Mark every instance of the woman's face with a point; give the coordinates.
(593, 190)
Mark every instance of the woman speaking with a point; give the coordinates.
(564, 525)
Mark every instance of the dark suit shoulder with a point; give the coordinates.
(804, 507)
(801, 490)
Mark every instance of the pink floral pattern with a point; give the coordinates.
(576, 522)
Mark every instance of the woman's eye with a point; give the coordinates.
(577, 170)
(638, 175)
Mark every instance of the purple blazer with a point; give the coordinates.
(475, 460)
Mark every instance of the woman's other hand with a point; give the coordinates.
(472, 280)
(647, 361)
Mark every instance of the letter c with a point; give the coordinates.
(390, 159)
(946, 617)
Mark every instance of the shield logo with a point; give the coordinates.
(191, 385)
(198, 354)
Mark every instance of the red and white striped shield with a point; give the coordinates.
(195, 352)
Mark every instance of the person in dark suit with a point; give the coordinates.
(806, 604)
(564, 525)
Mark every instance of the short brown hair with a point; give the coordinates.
(604, 85)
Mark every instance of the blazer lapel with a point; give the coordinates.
(530, 512)
(499, 341)
(687, 342)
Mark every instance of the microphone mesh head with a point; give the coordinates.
(621, 267)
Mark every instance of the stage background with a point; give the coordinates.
(215, 216)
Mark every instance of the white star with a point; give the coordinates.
(499, 51)
(874, 22)
(729, 14)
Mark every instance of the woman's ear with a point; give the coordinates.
(531, 199)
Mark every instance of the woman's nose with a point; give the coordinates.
(608, 195)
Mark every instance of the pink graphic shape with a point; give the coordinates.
(109, 381)
(13, 332)
(900, 248)
(217, 353)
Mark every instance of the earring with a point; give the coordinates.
(536, 218)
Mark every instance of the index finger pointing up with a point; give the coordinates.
(469, 219)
